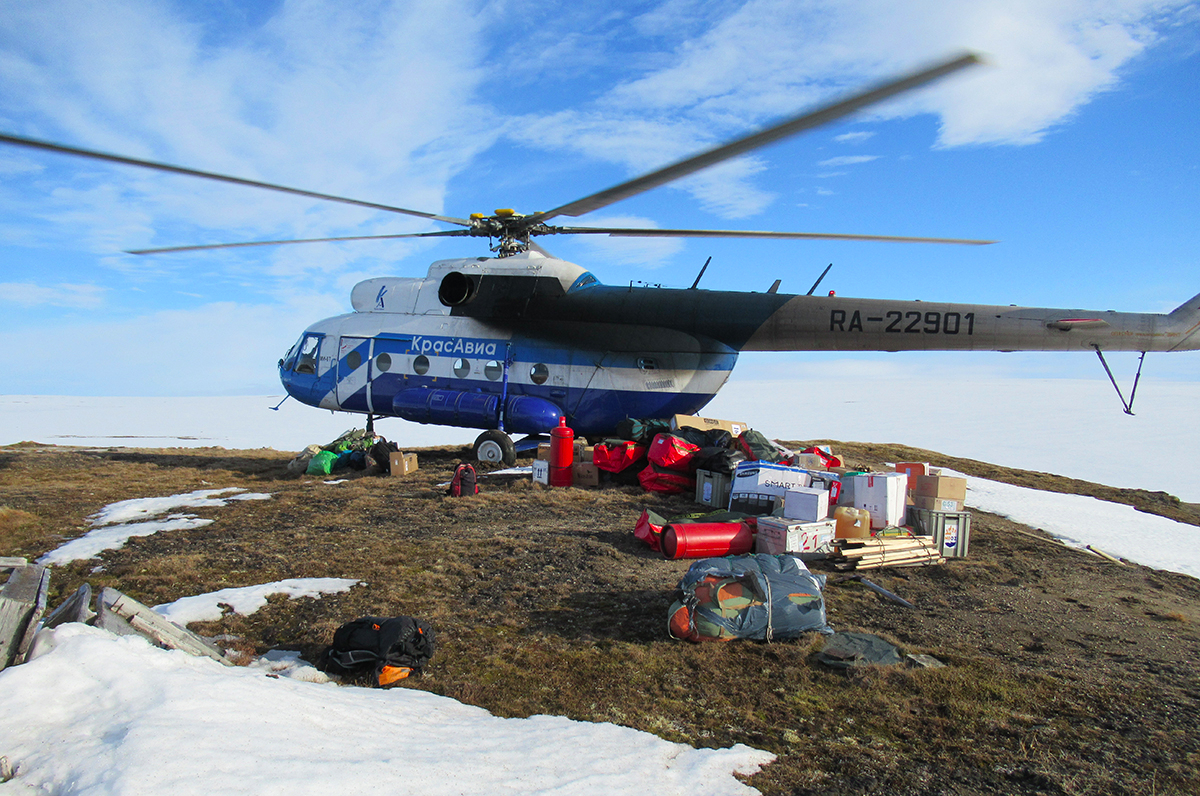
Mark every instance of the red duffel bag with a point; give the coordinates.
(668, 482)
(649, 529)
(672, 452)
(617, 456)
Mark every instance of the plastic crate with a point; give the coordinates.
(951, 530)
(712, 489)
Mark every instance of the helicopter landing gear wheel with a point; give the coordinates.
(495, 447)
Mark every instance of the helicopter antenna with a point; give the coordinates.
(703, 268)
(819, 278)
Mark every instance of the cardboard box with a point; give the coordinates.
(809, 461)
(712, 489)
(541, 472)
(583, 453)
(951, 530)
(765, 478)
(402, 463)
(941, 486)
(806, 504)
(777, 536)
(914, 469)
(756, 505)
(734, 427)
(936, 504)
(882, 494)
(543, 453)
(586, 474)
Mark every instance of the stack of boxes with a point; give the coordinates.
(936, 508)
(801, 500)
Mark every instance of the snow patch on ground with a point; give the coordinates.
(246, 600)
(118, 522)
(137, 719)
(1080, 521)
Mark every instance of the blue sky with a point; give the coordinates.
(1076, 147)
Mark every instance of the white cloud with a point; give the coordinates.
(63, 295)
(848, 160)
(647, 252)
(856, 137)
(769, 58)
(344, 101)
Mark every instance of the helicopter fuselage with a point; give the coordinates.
(515, 343)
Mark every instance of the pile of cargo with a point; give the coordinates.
(765, 498)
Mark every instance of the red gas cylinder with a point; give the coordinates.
(706, 539)
(562, 454)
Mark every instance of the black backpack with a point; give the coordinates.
(395, 647)
(464, 481)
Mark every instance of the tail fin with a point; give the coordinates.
(1187, 308)
(1187, 316)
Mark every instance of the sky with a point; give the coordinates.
(1074, 146)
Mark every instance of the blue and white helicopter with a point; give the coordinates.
(511, 343)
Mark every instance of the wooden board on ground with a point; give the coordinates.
(140, 619)
(22, 601)
(74, 609)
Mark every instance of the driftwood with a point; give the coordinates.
(22, 602)
(124, 615)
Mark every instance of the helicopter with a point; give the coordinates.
(516, 342)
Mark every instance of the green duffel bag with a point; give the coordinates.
(322, 463)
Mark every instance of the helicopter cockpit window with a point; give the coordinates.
(462, 368)
(539, 373)
(306, 362)
(421, 365)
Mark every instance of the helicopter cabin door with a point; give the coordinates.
(354, 365)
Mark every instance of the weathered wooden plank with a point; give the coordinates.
(75, 608)
(18, 600)
(12, 562)
(158, 629)
(35, 616)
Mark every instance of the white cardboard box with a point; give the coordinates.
(541, 471)
(777, 536)
(883, 495)
(806, 504)
(765, 478)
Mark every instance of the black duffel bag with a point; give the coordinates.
(393, 647)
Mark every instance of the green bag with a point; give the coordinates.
(322, 463)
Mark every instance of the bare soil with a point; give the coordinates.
(1066, 673)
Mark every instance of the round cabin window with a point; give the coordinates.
(539, 373)
(383, 362)
(493, 370)
(462, 368)
(421, 365)
(353, 360)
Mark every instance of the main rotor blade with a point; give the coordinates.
(204, 247)
(796, 124)
(749, 233)
(33, 143)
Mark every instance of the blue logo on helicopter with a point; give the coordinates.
(379, 298)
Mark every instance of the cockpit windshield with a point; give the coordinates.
(303, 356)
